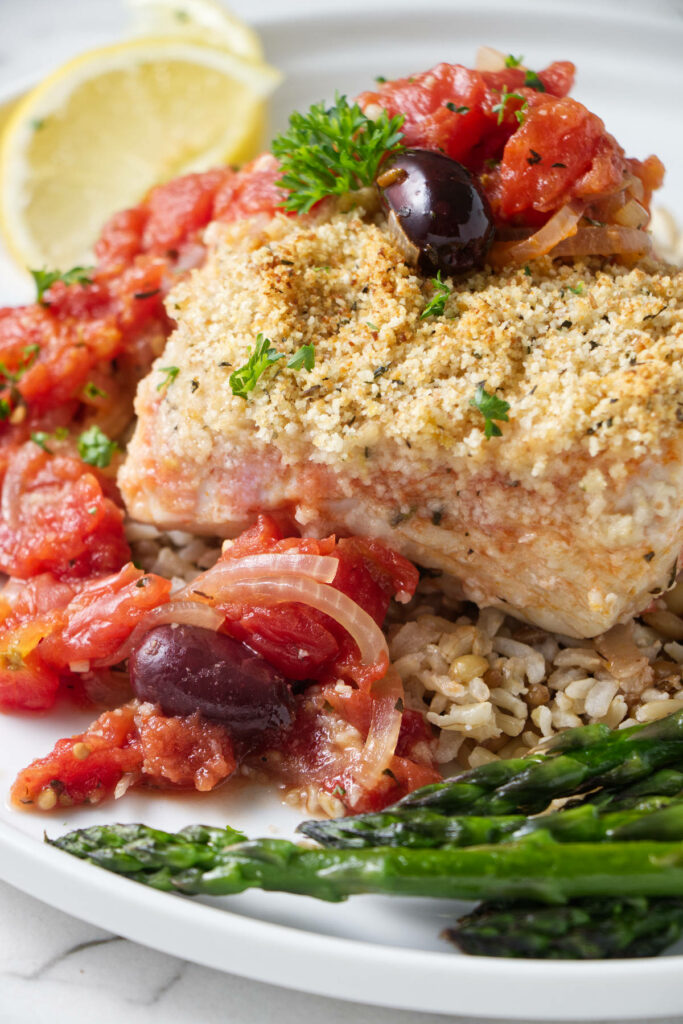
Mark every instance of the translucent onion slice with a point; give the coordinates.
(385, 726)
(271, 590)
(19, 467)
(610, 240)
(186, 613)
(561, 225)
(222, 575)
(490, 59)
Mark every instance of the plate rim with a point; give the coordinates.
(272, 952)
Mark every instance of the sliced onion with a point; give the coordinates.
(385, 726)
(20, 466)
(186, 613)
(490, 59)
(610, 240)
(561, 225)
(222, 575)
(267, 591)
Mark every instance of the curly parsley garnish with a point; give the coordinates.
(492, 408)
(244, 379)
(95, 448)
(333, 150)
(505, 97)
(44, 279)
(437, 303)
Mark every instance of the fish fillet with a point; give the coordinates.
(571, 519)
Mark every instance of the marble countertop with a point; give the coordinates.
(53, 966)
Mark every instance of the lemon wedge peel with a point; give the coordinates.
(101, 130)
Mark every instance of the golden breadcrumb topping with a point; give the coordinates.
(588, 355)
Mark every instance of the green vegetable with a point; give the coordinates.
(95, 448)
(572, 763)
(535, 868)
(492, 408)
(660, 819)
(582, 930)
(244, 379)
(437, 303)
(333, 150)
(457, 110)
(513, 62)
(44, 279)
(170, 374)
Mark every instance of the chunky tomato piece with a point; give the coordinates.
(94, 625)
(560, 151)
(26, 684)
(84, 768)
(62, 522)
(135, 740)
(300, 641)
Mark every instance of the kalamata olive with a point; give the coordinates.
(186, 669)
(441, 210)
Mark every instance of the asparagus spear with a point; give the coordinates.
(574, 762)
(659, 818)
(535, 868)
(582, 930)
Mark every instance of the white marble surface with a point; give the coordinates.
(52, 966)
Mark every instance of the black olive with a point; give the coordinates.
(440, 209)
(186, 669)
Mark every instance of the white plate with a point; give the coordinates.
(372, 949)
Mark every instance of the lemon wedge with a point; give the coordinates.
(101, 130)
(203, 21)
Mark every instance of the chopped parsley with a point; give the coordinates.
(5, 409)
(92, 391)
(577, 289)
(437, 303)
(40, 437)
(457, 110)
(492, 408)
(505, 97)
(95, 448)
(44, 279)
(532, 81)
(513, 62)
(303, 359)
(171, 372)
(244, 379)
(332, 150)
(535, 157)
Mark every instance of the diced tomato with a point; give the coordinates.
(83, 768)
(26, 684)
(136, 740)
(63, 522)
(560, 151)
(96, 622)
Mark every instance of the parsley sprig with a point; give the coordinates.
(437, 304)
(492, 408)
(44, 279)
(244, 379)
(332, 150)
